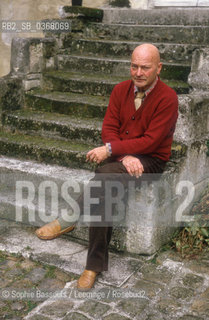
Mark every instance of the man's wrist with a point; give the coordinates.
(108, 149)
(123, 158)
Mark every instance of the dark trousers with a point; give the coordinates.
(100, 234)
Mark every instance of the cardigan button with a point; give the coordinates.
(133, 118)
(127, 132)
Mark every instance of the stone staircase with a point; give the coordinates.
(65, 81)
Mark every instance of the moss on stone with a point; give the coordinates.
(45, 150)
(177, 72)
(178, 150)
(67, 103)
(179, 86)
(11, 93)
(3, 256)
(120, 3)
(207, 143)
(92, 14)
(54, 125)
(93, 83)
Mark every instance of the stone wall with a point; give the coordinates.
(29, 10)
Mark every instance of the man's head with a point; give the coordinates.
(145, 65)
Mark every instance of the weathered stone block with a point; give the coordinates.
(31, 55)
(199, 76)
(167, 16)
(152, 213)
(20, 55)
(193, 111)
(11, 93)
(36, 57)
(157, 209)
(169, 52)
(67, 103)
(31, 81)
(147, 33)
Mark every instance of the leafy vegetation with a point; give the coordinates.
(2, 256)
(50, 272)
(194, 236)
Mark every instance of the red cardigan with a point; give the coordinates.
(149, 130)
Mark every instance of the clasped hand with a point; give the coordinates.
(133, 165)
(97, 155)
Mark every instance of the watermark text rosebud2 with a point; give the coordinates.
(189, 187)
(48, 194)
(49, 200)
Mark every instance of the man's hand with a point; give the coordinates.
(133, 166)
(97, 155)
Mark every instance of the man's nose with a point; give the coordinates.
(139, 71)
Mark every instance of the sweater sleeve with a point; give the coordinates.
(111, 122)
(161, 127)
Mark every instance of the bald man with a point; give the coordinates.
(137, 133)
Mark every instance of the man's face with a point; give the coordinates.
(144, 69)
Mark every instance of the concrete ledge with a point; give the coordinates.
(31, 55)
(152, 213)
(21, 240)
(193, 111)
(169, 16)
(199, 76)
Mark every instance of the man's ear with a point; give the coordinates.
(159, 68)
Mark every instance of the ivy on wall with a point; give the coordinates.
(120, 3)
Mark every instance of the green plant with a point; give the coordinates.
(31, 305)
(194, 237)
(28, 248)
(50, 272)
(2, 256)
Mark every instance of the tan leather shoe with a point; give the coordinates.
(86, 280)
(52, 230)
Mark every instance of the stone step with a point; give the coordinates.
(82, 106)
(24, 199)
(16, 237)
(164, 16)
(93, 84)
(82, 83)
(149, 33)
(57, 126)
(170, 275)
(113, 66)
(53, 125)
(17, 174)
(47, 150)
(56, 151)
(78, 105)
(170, 52)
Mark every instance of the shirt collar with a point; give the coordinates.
(149, 89)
